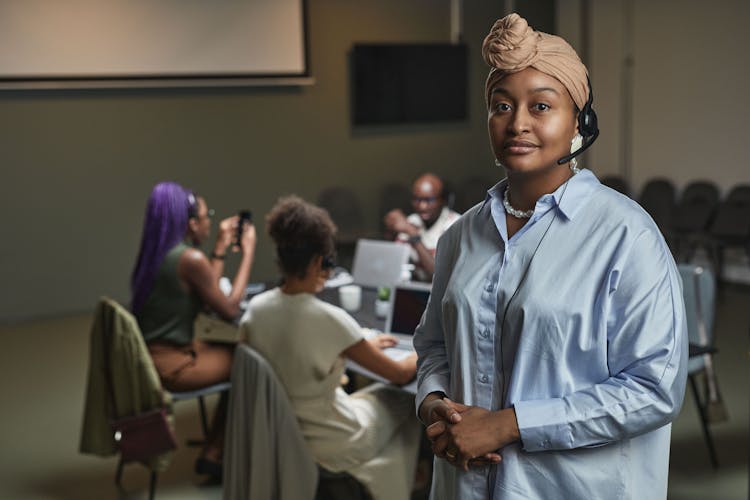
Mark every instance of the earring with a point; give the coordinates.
(576, 142)
(574, 166)
(498, 164)
(575, 145)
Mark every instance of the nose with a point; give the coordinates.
(519, 121)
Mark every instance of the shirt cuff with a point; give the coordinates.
(431, 383)
(539, 425)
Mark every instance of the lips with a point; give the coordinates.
(519, 147)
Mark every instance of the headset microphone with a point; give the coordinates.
(588, 127)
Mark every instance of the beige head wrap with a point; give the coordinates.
(512, 45)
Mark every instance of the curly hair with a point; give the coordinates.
(301, 231)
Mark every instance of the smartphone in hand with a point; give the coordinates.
(246, 216)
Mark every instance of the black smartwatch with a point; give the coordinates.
(413, 240)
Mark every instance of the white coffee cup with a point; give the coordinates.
(350, 297)
(381, 308)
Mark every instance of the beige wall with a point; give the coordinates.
(690, 79)
(79, 165)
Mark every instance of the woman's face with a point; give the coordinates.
(531, 121)
(200, 225)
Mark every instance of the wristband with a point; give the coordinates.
(214, 255)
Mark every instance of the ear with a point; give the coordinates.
(192, 225)
(315, 267)
(317, 263)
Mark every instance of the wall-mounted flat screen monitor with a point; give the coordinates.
(409, 83)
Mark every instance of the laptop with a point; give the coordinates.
(379, 263)
(408, 301)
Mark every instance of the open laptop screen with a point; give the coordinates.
(408, 302)
(379, 263)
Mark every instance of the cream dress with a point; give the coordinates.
(371, 434)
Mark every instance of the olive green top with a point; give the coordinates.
(170, 310)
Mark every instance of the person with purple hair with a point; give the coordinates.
(171, 283)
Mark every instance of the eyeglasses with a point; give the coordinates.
(209, 215)
(424, 199)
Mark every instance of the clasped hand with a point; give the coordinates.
(469, 435)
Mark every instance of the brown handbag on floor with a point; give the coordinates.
(142, 436)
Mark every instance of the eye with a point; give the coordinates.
(502, 107)
(540, 106)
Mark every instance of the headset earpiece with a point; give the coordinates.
(587, 121)
(588, 127)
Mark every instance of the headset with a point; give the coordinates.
(192, 206)
(588, 127)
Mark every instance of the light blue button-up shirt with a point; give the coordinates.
(578, 322)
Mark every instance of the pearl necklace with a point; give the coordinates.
(518, 214)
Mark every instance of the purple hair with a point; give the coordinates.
(164, 226)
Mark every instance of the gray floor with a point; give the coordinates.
(44, 367)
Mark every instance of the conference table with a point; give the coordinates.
(213, 329)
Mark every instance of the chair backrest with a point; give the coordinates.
(471, 191)
(394, 195)
(617, 183)
(739, 194)
(696, 207)
(135, 380)
(699, 293)
(731, 225)
(700, 192)
(265, 454)
(658, 199)
(732, 222)
(116, 343)
(344, 208)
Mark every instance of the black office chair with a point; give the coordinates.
(699, 293)
(658, 199)
(617, 183)
(393, 195)
(471, 191)
(693, 216)
(345, 210)
(731, 226)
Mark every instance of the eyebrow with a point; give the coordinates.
(502, 90)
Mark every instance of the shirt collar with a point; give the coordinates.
(569, 197)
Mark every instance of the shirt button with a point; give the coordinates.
(484, 334)
(484, 378)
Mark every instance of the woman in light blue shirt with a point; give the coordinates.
(552, 355)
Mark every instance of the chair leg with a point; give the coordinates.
(152, 486)
(204, 420)
(118, 474)
(704, 423)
